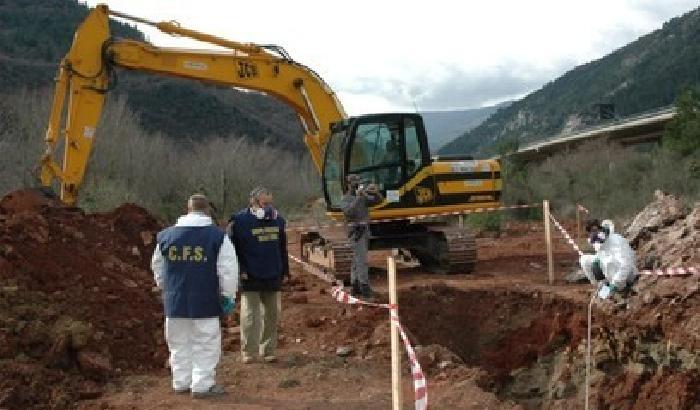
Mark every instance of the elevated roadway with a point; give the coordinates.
(639, 128)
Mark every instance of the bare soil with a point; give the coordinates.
(76, 306)
(80, 327)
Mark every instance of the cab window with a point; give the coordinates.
(376, 154)
(332, 170)
(414, 156)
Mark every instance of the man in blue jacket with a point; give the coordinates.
(257, 233)
(194, 263)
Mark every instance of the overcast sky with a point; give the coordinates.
(391, 55)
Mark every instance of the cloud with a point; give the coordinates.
(663, 10)
(517, 65)
(466, 90)
(456, 87)
(431, 56)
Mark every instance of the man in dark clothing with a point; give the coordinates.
(257, 233)
(392, 160)
(355, 205)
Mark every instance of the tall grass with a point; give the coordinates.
(131, 165)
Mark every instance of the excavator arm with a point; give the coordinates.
(86, 73)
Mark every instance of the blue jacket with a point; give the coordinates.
(261, 247)
(191, 288)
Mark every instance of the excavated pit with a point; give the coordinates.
(528, 348)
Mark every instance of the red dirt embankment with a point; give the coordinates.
(76, 300)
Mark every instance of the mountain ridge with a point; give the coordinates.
(647, 73)
(446, 125)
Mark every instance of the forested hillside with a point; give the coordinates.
(645, 74)
(35, 34)
(444, 126)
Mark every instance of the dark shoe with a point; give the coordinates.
(216, 390)
(355, 291)
(366, 291)
(181, 391)
(247, 359)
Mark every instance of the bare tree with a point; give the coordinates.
(130, 165)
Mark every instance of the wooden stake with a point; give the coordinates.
(548, 239)
(395, 348)
(578, 226)
(224, 194)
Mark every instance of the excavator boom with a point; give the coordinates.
(390, 150)
(85, 75)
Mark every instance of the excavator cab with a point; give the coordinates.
(391, 151)
(384, 149)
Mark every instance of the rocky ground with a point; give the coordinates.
(665, 234)
(81, 327)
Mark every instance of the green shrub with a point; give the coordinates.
(487, 222)
(682, 135)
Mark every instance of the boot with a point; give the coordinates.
(366, 291)
(214, 391)
(355, 291)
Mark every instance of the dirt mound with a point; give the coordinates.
(76, 301)
(665, 235)
(25, 200)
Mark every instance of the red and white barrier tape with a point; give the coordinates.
(316, 271)
(414, 218)
(566, 235)
(344, 297)
(420, 385)
(676, 271)
(693, 270)
(583, 209)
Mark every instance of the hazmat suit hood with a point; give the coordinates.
(194, 219)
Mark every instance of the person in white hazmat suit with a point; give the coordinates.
(195, 266)
(613, 262)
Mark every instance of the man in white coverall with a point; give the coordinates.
(613, 262)
(195, 265)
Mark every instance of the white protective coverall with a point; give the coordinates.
(617, 262)
(195, 344)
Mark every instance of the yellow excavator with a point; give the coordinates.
(389, 150)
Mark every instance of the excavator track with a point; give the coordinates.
(447, 249)
(332, 256)
(439, 248)
(461, 250)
